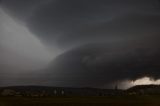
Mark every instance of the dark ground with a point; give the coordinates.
(137, 100)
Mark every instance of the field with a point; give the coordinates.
(82, 101)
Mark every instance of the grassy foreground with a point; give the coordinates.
(82, 101)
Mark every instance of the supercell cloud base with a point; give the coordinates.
(79, 43)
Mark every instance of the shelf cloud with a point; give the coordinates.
(94, 42)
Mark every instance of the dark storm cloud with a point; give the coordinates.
(97, 65)
(65, 23)
(104, 40)
(22, 9)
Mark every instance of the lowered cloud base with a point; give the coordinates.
(95, 42)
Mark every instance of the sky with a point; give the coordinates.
(79, 43)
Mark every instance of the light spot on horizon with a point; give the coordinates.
(146, 81)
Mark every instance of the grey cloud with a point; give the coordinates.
(96, 66)
(22, 9)
(64, 22)
(68, 22)
(104, 40)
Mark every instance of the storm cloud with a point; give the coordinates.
(101, 41)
